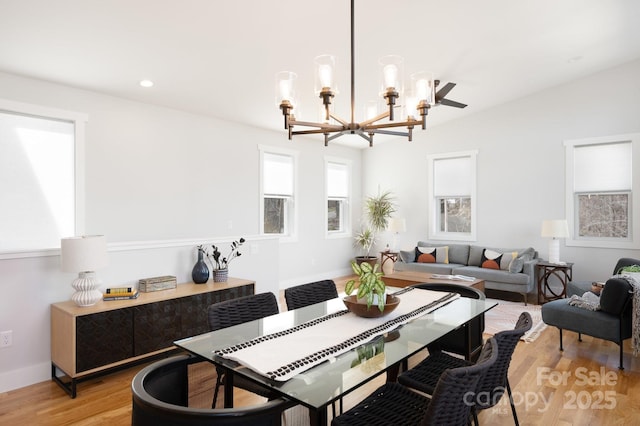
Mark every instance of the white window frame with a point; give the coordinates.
(434, 232)
(346, 201)
(292, 213)
(79, 121)
(633, 241)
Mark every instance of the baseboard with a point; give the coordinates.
(27, 376)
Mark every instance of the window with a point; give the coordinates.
(278, 192)
(337, 184)
(452, 193)
(40, 176)
(599, 191)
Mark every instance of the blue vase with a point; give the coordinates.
(200, 272)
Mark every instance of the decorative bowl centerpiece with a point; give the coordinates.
(370, 300)
(372, 311)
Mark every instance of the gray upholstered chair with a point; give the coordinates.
(578, 288)
(611, 322)
(161, 393)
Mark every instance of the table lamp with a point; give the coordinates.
(396, 226)
(84, 255)
(555, 229)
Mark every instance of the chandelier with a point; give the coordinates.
(417, 101)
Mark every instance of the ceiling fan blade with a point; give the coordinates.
(451, 103)
(444, 91)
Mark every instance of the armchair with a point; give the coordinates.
(612, 322)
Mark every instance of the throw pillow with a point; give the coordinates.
(492, 259)
(432, 254)
(516, 265)
(407, 256)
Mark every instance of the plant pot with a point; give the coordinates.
(371, 260)
(373, 311)
(220, 275)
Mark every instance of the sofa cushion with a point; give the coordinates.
(493, 275)
(432, 268)
(458, 253)
(432, 254)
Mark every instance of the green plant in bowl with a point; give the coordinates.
(370, 284)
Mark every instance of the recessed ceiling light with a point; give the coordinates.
(574, 59)
(146, 83)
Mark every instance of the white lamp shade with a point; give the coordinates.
(555, 228)
(82, 254)
(397, 225)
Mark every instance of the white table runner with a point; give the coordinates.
(285, 354)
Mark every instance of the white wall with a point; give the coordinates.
(158, 183)
(520, 164)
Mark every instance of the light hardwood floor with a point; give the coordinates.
(581, 386)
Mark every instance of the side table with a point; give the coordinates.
(546, 270)
(387, 261)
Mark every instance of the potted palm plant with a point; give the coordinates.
(377, 212)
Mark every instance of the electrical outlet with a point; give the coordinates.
(6, 339)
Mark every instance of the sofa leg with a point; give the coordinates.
(525, 298)
(621, 367)
(561, 348)
(579, 337)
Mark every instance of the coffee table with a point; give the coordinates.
(407, 278)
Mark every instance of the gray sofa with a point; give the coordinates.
(517, 275)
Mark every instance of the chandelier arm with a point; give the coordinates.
(331, 127)
(408, 123)
(389, 132)
(336, 135)
(314, 132)
(339, 120)
(374, 119)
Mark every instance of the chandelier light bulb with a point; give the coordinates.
(324, 74)
(422, 89)
(390, 75)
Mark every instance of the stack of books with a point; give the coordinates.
(157, 283)
(120, 293)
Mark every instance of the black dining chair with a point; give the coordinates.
(307, 294)
(161, 396)
(465, 340)
(237, 311)
(395, 404)
(424, 376)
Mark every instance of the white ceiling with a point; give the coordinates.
(219, 58)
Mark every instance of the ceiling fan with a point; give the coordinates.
(440, 95)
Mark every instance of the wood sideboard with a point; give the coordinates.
(89, 341)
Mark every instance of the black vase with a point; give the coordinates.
(200, 272)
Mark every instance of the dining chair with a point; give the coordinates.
(424, 376)
(465, 340)
(308, 294)
(395, 404)
(237, 311)
(160, 396)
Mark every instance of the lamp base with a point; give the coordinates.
(554, 250)
(86, 289)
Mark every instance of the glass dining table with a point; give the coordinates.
(321, 385)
